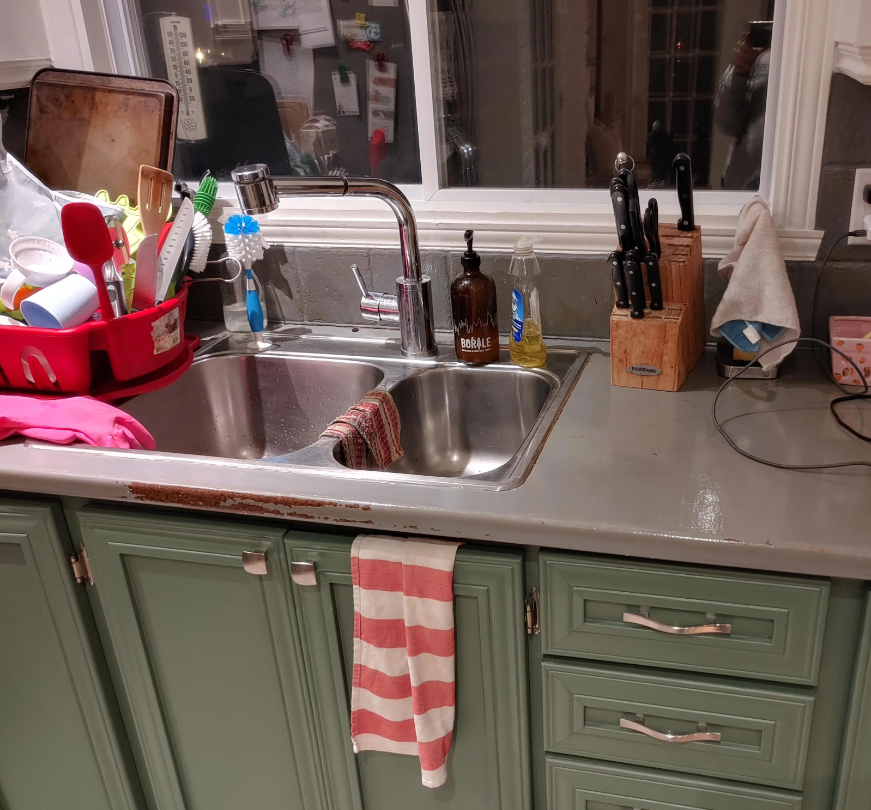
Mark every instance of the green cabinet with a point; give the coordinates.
(206, 659)
(489, 763)
(854, 783)
(58, 746)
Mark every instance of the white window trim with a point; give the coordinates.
(579, 221)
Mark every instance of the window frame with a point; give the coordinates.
(568, 221)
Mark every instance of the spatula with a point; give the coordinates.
(155, 196)
(87, 240)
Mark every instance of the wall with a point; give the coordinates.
(310, 285)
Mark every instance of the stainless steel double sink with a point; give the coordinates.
(464, 426)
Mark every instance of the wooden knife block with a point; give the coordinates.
(659, 351)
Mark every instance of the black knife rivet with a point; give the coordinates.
(652, 283)
(622, 227)
(680, 168)
(633, 293)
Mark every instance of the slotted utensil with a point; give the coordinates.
(87, 240)
(155, 198)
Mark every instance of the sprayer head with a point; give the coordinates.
(255, 189)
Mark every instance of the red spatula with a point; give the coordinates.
(87, 240)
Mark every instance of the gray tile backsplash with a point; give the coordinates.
(313, 285)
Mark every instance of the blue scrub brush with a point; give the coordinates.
(245, 244)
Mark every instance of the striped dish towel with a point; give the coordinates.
(369, 432)
(403, 695)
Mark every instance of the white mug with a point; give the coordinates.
(36, 261)
(66, 303)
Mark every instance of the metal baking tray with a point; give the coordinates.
(92, 131)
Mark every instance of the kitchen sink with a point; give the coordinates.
(461, 426)
(252, 406)
(461, 422)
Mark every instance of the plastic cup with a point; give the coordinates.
(66, 303)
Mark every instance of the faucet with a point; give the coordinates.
(411, 306)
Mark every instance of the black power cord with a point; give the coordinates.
(848, 397)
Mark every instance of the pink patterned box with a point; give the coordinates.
(852, 335)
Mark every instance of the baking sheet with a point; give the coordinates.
(92, 131)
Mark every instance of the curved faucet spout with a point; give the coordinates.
(259, 193)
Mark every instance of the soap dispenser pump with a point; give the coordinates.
(473, 303)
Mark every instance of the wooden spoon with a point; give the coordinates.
(155, 198)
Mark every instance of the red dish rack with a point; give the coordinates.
(72, 361)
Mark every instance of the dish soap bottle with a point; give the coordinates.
(473, 303)
(527, 347)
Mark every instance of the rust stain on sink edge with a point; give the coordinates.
(245, 503)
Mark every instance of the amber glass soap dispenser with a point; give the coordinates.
(473, 303)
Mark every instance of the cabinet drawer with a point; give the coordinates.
(583, 785)
(764, 730)
(595, 609)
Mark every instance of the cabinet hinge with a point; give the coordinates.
(533, 614)
(81, 567)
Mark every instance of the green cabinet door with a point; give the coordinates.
(489, 762)
(206, 660)
(58, 748)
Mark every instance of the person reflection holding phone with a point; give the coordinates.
(739, 107)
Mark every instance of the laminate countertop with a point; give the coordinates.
(624, 471)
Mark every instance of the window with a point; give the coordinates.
(506, 116)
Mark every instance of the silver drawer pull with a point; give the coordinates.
(694, 630)
(699, 736)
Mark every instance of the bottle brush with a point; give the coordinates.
(245, 244)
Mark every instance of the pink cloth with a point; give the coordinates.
(64, 421)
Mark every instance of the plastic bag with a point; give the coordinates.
(26, 207)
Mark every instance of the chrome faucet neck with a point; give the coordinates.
(259, 193)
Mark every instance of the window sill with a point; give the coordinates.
(566, 228)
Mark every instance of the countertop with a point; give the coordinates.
(624, 472)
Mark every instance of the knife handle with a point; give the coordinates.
(683, 167)
(635, 282)
(620, 203)
(621, 294)
(654, 282)
(628, 179)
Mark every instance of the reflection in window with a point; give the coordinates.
(544, 93)
(306, 86)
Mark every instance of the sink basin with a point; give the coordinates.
(252, 406)
(461, 426)
(461, 422)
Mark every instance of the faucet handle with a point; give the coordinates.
(361, 283)
(376, 306)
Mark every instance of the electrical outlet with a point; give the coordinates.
(861, 207)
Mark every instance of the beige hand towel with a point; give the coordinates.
(758, 286)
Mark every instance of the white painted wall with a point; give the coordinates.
(22, 35)
(39, 33)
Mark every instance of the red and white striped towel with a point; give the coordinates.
(403, 694)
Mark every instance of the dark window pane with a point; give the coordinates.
(680, 117)
(659, 32)
(656, 112)
(706, 79)
(708, 31)
(682, 73)
(684, 31)
(658, 75)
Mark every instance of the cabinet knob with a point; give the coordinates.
(304, 573)
(254, 562)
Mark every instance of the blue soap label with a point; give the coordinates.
(516, 316)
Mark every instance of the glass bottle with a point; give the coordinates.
(234, 299)
(473, 304)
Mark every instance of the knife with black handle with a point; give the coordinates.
(651, 227)
(628, 179)
(654, 282)
(635, 282)
(684, 171)
(620, 202)
(621, 294)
